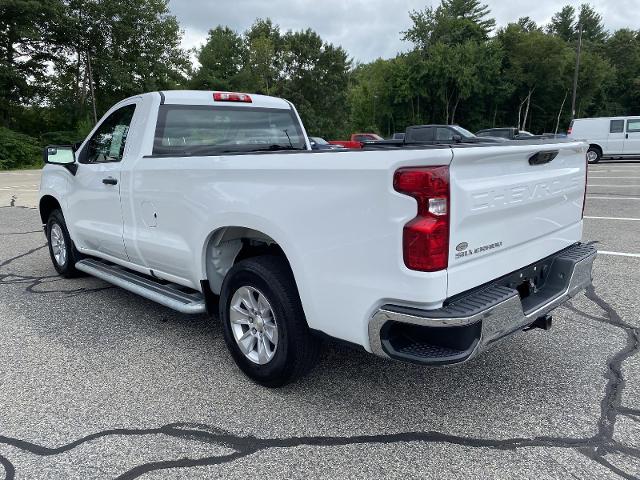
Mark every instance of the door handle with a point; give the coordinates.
(109, 181)
(626, 135)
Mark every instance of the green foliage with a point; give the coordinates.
(18, 150)
(460, 69)
(26, 45)
(298, 66)
(454, 21)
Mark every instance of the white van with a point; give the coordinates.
(608, 136)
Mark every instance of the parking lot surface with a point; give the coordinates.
(98, 383)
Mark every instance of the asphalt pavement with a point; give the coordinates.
(97, 383)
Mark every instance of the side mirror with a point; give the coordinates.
(456, 138)
(59, 155)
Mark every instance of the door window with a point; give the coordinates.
(633, 125)
(444, 134)
(616, 126)
(109, 140)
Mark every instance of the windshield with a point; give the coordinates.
(463, 131)
(203, 129)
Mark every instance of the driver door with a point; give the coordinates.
(95, 215)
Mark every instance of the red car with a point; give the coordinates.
(356, 140)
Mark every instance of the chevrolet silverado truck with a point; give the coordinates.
(214, 202)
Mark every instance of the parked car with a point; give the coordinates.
(356, 140)
(213, 202)
(509, 133)
(434, 135)
(445, 134)
(608, 137)
(319, 143)
(398, 136)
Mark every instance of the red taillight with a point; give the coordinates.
(425, 239)
(569, 130)
(231, 97)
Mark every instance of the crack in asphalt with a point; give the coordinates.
(21, 233)
(33, 282)
(595, 447)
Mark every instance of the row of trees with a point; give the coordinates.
(521, 75)
(64, 62)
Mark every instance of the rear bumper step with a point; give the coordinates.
(470, 322)
(169, 295)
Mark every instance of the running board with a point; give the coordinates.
(169, 294)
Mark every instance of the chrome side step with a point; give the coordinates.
(169, 295)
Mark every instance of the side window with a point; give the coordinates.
(420, 134)
(108, 142)
(633, 125)
(444, 134)
(616, 126)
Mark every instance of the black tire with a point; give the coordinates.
(598, 154)
(297, 349)
(67, 267)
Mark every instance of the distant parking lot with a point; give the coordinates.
(98, 383)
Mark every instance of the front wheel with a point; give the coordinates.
(594, 155)
(264, 324)
(63, 253)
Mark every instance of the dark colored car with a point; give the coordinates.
(508, 133)
(445, 134)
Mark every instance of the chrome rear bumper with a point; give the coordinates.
(470, 322)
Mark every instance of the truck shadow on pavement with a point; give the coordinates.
(235, 446)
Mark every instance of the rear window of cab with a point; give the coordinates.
(184, 130)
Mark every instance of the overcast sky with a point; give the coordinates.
(367, 29)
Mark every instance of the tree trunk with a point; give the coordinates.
(93, 94)
(520, 114)
(453, 112)
(526, 112)
(446, 107)
(560, 111)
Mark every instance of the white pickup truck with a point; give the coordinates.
(212, 200)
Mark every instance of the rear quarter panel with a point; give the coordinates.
(335, 215)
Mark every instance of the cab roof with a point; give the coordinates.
(200, 97)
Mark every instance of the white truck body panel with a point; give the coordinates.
(335, 215)
(508, 212)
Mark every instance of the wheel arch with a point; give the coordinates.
(47, 204)
(596, 146)
(226, 246)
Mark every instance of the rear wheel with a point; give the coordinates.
(594, 154)
(264, 324)
(63, 253)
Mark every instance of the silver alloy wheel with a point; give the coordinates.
(592, 156)
(58, 245)
(253, 324)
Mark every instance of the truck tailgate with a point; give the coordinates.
(508, 211)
